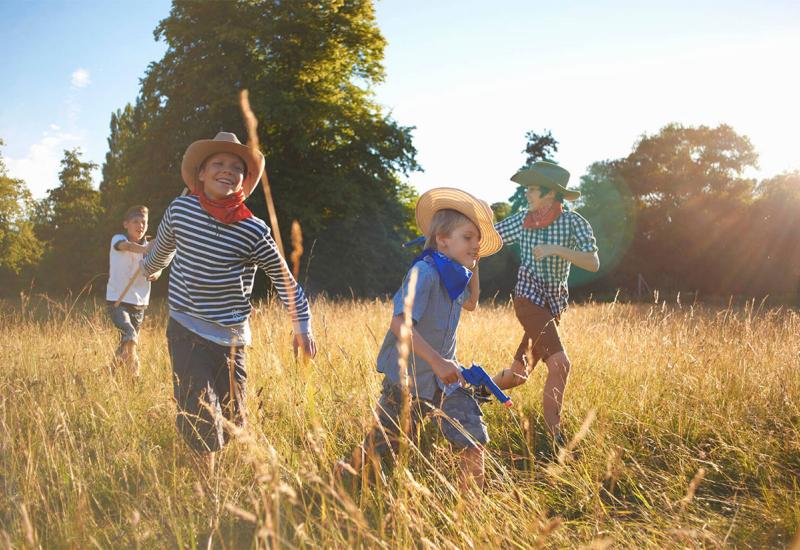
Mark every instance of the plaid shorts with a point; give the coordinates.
(462, 424)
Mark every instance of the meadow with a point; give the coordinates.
(684, 419)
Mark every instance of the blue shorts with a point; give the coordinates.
(460, 420)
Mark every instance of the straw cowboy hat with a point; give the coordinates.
(546, 174)
(476, 210)
(223, 142)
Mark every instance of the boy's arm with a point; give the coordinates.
(129, 246)
(474, 287)
(163, 248)
(510, 228)
(584, 256)
(267, 257)
(585, 260)
(445, 369)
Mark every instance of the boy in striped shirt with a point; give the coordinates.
(215, 245)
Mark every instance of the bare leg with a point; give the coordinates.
(558, 366)
(471, 468)
(514, 376)
(133, 359)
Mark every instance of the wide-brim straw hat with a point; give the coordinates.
(476, 210)
(546, 174)
(223, 142)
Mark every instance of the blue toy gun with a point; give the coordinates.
(476, 376)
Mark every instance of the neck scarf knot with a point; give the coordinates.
(228, 210)
(454, 275)
(537, 219)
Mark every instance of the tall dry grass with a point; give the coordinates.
(689, 422)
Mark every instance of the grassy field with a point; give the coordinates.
(693, 437)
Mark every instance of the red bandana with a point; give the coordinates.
(229, 210)
(542, 218)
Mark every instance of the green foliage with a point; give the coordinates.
(333, 157)
(689, 189)
(20, 249)
(501, 211)
(608, 205)
(67, 220)
(539, 147)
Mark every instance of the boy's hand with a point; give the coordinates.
(448, 372)
(544, 250)
(306, 343)
(154, 276)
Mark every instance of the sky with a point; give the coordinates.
(471, 77)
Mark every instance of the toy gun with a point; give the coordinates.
(476, 376)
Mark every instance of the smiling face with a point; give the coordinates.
(221, 175)
(537, 200)
(462, 244)
(136, 227)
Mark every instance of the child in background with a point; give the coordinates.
(123, 258)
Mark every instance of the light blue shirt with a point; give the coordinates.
(435, 318)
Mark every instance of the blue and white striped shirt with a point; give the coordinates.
(215, 264)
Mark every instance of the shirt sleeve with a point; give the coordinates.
(426, 278)
(116, 240)
(268, 258)
(163, 250)
(582, 231)
(511, 228)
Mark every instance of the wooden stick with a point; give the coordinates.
(128, 287)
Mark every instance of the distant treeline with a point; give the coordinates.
(678, 213)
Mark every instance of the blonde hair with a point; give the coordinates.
(444, 222)
(134, 211)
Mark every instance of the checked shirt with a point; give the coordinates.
(544, 282)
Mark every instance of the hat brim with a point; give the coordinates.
(531, 178)
(476, 210)
(200, 150)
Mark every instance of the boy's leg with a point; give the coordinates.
(558, 366)
(463, 426)
(541, 340)
(122, 320)
(136, 317)
(194, 366)
(384, 439)
(234, 410)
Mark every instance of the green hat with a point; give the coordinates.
(546, 174)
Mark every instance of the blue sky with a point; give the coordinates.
(472, 77)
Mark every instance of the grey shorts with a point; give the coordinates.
(201, 383)
(461, 423)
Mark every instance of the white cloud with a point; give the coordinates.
(80, 78)
(40, 166)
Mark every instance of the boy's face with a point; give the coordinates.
(136, 227)
(537, 200)
(461, 245)
(222, 174)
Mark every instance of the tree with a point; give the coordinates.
(689, 191)
(68, 220)
(539, 147)
(608, 205)
(334, 158)
(769, 249)
(20, 250)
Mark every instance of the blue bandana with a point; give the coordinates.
(455, 276)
